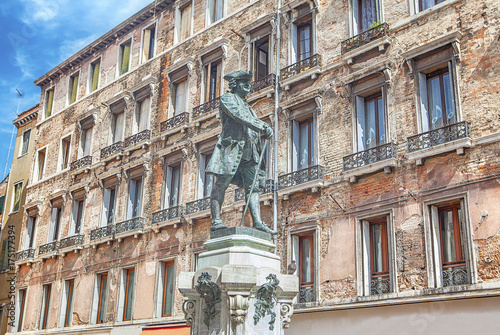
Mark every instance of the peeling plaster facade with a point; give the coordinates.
(332, 203)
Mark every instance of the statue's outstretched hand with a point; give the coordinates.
(268, 132)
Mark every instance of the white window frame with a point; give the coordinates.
(106, 198)
(141, 55)
(74, 215)
(61, 153)
(21, 154)
(167, 184)
(84, 138)
(292, 30)
(64, 301)
(53, 219)
(120, 57)
(353, 5)
(95, 297)
(32, 219)
(433, 240)
(35, 176)
(131, 198)
(363, 252)
(44, 303)
(178, 20)
(45, 101)
(90, 75)
(18, 306)
(208, 21)
(70, 89)
(122, 285)
(201, 174)
(306, 228)
(137, 113)
(160, 282)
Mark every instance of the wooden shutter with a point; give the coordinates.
(146, 42)
(95, 75)
(144, 114)
(50, 100)
(74, 88)
(125, 58)
(186, 22)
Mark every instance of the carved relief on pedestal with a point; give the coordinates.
(238, 305)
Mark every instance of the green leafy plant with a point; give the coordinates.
(375, 24)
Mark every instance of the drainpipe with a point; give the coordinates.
(276, 119)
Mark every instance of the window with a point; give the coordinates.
(142, 114)
(205, 180)
(64, 153)
(148, 43)
(67, 303)
(117, 126)
(49, 102)
(437, 98)
(370, 117)
(4, 255)
(215, 10)
(261, 58)
(425, 4)
(108, 216)
(94, 75)
(40, 164)
(16, 203)
(73, 88)
(375, 267)
(303, 255)
(30, 233)
(26, 142)
(44, 315)
(2, 203)
(304, 32)
(55, 224)
(86, 142)
(213, 80)
(100, 298)
(124, 58)
(303, 144)
(21, 302)
(78, 205)
(134, 198)
(168, 276)
(364, 15)
(186, 15)
(127, 294)
(180, 96)
(452, 249)
(172, 186)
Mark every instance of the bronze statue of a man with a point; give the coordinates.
(235, 159)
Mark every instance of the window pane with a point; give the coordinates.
(304, 146)
(174, 197)
(102, 299)
(168, 289)
(111, 206)
(306, 260)
(118, 127)
(129, 294)
(185, 22)
(125, 51)
(26, 141)
(305, 42)
(218, 8)
(448, 99)
(377, 248)
(17, 196)
(435, 102)
(448, 236)
(370, 125)
(381, 121)
(95, 76)
(368, 14)
(180, 97)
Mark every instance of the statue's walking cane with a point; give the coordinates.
(264, 147)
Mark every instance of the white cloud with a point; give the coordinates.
(41, 11)
(21, 61)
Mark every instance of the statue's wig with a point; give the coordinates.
(233, 82)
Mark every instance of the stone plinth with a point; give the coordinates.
(238, 279)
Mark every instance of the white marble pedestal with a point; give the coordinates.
(220, 298)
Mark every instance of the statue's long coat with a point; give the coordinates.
(240, 140)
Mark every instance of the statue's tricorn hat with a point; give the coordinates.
(239, 75)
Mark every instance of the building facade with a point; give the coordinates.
(388, 169)
(12, 208)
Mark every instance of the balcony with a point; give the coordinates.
(383, 157)
(372, 38)
(454, 137)
(266, 194)
(51, 247)
(101, 233)
(304, 69)
(129, 227)
(132, 142)
(169, 216)
(203, 110)
(115, 148)
(81, 163)
(262, 87)
(309, 178)
(174, 122)
(380, 284)
(306, 294)
(70, 243)
(197, 209)
(25, 255)
(456, 275)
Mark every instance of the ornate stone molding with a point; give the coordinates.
(286, 311)
(189, 309)
(238, 305)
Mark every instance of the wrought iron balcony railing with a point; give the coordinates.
(439, 136)
(102, 232)
(365, 37)
(315, 172)
(84, 161)
(25, 254)
(174, 121)
(269, 80)
(206, 107)
(370, 156)
(306, 294)
(112, 149)
(301, 66)
(71, 241)
(380, 284)
(239, 193)
(457, 275)
(49, 247)
(132, 224)
(137, 138)
(168, 214)
(198, 205)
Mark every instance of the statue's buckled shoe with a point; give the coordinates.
(217, 224)
(262, 227)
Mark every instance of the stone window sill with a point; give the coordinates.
(311, 73)
(458, 145)
(313, 185)
(385, 165)
(380, 44)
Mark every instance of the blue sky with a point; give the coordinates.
(36, 36)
